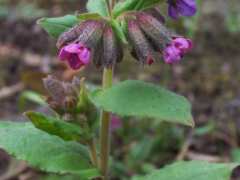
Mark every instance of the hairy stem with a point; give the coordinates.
(93, 152)
(105, 127)
(109, 7)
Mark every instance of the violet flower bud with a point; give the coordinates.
(112, 50)
(178, 8)
(91, 34)
(155, 30)
(156, 13)
(141, 46)
(70, 35)
(76, 55)
(55, 89)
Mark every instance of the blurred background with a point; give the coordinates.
(209, 77)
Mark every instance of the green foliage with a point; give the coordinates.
(44, 151)
(136, 98)
(30, 96)
(56, 126)
(56, 26)
(197, 170)
(119, 31)
(85, 16)
(60, 177)
(99, 6)
(235, 154)
(133, 5)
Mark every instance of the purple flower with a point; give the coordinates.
(172, 55)
(178, 8)
(76, 54)
(116, 123)
(176, 49)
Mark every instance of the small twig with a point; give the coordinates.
(206, 157)
(15, 169)
(11, 90)
(184, 150)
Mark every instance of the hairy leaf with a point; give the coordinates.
(55, 126)
(136, 98)
(97, 6)
(133, 5)
(89, 16)
(46, 152)
(197, 170)
(58, 25)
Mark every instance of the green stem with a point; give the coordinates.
(93, 152)
(105, 127)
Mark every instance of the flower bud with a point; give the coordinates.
(70, 35)
(112, 50)
(91, 34)
(155, 12)
(141, 46)
(154, 30)
(55, 89)
(177, 8)
(63, 95)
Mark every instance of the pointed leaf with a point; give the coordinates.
(136, 98)
(55, 126)
(89, 16)
(197, 170)
(133, 5)
(46, 152)
(58, 25)
(97, 6)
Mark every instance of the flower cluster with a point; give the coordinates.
(91, 40)
(96, 41)
(151, 39)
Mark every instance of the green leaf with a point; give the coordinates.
(124, 6)
(31, 96)
(58, 25)
(119, 31)
(55, 126)
(136, 98)
(97, 6)
(46, 152)
(89, 16)
(235, 155)
(133, 5)
(197, 170)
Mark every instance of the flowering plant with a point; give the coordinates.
(66, 141)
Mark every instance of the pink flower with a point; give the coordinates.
(76, 54)
(178, 47)
(172, 55)
(183, 44)
(116, 123)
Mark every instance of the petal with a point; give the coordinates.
(182, 44)
(187, 7)
(173, 11)
(73, 48)
(63, 55)
(172, 55)
(84, 56)
(74, 62)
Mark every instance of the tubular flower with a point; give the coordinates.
(76, 55)
(142, 49)
(92, 40)
(178, 47)
(178, 8)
